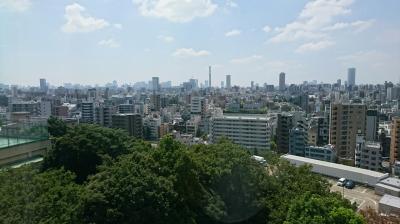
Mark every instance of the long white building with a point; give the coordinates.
(250, 131)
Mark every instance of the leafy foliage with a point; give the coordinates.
(84, 147)
(311, 208)
(27, 196)
(100, 175)
(56, 127)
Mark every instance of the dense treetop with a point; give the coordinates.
(99, 175)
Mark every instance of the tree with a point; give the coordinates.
(234, 181)
(101, 175)
(84, 147)
(56, 127)
(155, 187)
(312, 208)
(27, 196)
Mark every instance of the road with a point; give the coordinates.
(363, 196)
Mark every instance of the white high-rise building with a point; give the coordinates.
(197, 105)
(250, 131)
(88, 114)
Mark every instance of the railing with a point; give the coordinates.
(14, 133)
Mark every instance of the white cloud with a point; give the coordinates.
(190, 52)
(231, 4)
(118, 26)
(246, 60)
(314, 46)
(109, 43)
(315, 16)
(166, 39)
(358, 26)
(180, 11)
(77, 21)
(16, 5)
(266, 29)
(233, 33)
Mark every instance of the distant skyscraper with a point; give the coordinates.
(339, 82)
(222, 84)
(282, 85)
(351, 76)
(252, 84)
(156, 84)
(209, 76)
(228, 81)
(43, 85)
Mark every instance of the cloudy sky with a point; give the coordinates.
(97, 41)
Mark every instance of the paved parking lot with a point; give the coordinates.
(364, 197)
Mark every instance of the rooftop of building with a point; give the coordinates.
(370, 144)
(390, 200)
(335, 165)
(391, 181)
(245, 116)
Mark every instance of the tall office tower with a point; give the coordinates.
(194, 83)
(372, 125)
(252, 85)
(92, 94)
(104, 114)
(285, 124)
(155, 102)
(222, 84)
(351, 77)
(282, 84)
(43, 85)
(395, 140)
(155, 84)
(228, 81)
(318, 131)
(197, 105)
(347, 120)
(88, 114)
(339, 83)
(250, 131)
(132, 123)
(298, 139)
(389, 93)
(209, 77)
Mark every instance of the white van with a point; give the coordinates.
(342, 181)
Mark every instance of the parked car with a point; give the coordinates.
(342, 181)
(350, 184)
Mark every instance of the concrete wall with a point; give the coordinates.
(389, 210)
(23, 151)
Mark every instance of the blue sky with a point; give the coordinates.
(95, 42)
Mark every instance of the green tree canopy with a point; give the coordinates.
(56, 127)
(312, 208)
(84, 147)
(27, 196)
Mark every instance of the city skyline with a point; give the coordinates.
(93, 42)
